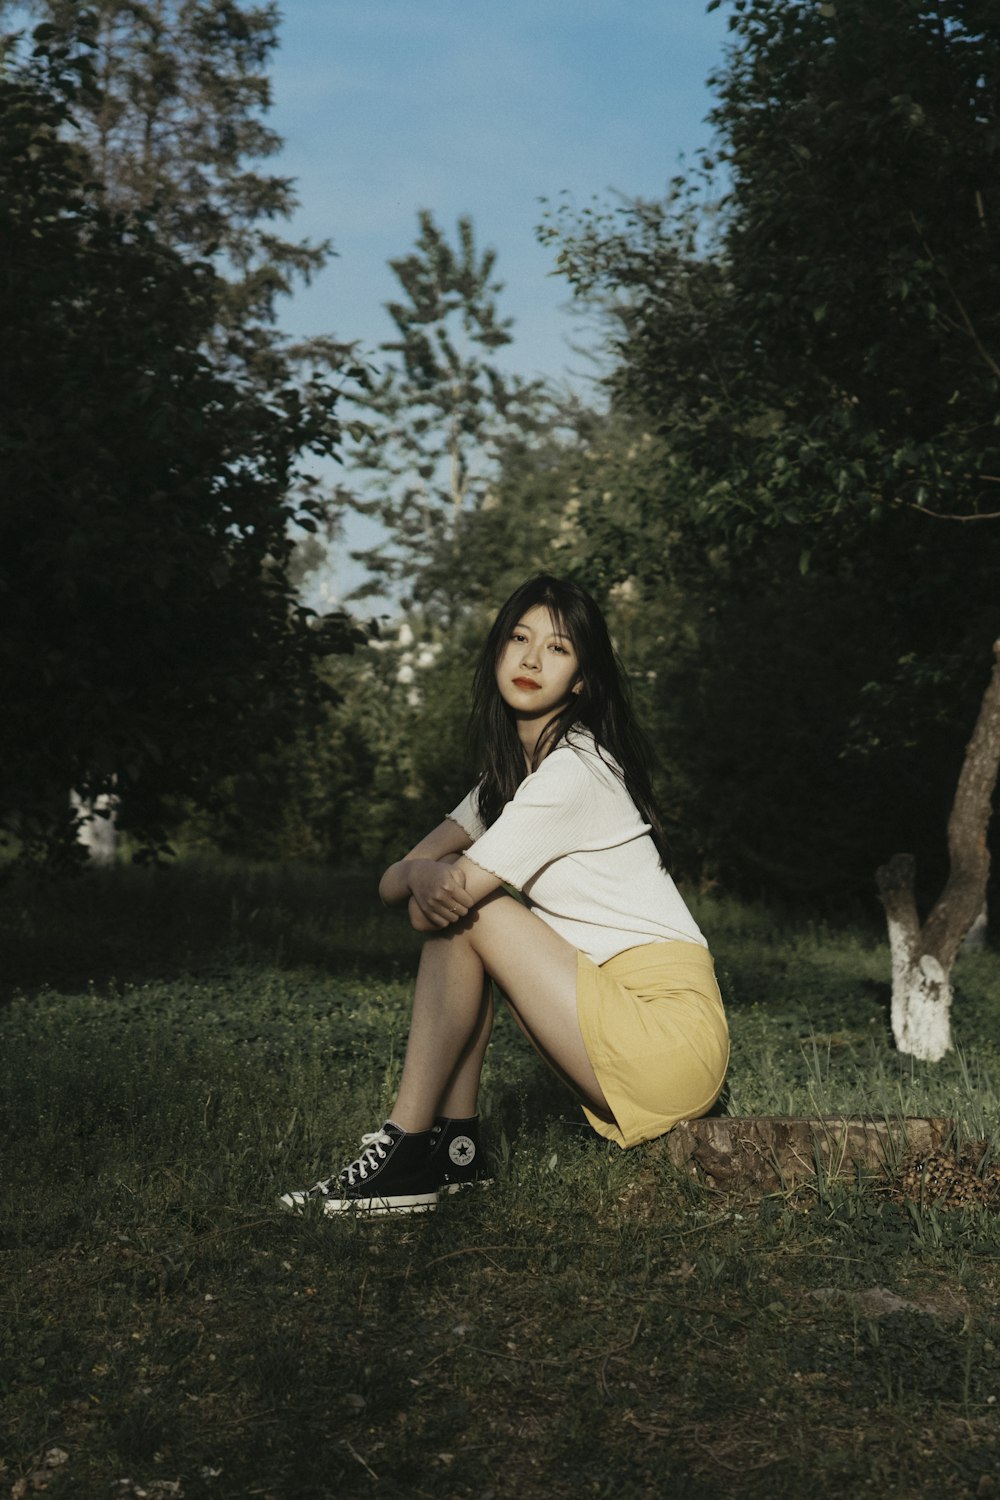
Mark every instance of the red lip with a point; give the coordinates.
(527, 682)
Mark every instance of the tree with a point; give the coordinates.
(172, 124)
(923, 954)
(437, 415)
(822, 357)
(152, 640)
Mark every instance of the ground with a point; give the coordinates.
(596, 1323)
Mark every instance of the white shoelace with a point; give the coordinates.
(369, 1161)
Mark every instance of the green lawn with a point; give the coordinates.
(178, 1047)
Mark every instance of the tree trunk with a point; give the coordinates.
(976, 936)
(776, 1152)
(922, 956)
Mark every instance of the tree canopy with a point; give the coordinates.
(824, 345)
(808, 325)
(153, 639)
(173, 124)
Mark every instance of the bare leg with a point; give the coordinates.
(447, 1022)
(462, 1091)
(461, 1094)
(458, 1101)
(534, 966)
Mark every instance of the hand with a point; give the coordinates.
(437, 888)
(418, 921)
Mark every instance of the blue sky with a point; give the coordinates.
(464, 106)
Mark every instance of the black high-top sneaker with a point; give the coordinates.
(392, 1175)
(456, 1156)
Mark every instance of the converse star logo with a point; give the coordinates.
(462, 1150)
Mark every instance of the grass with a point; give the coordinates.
(177, 1047)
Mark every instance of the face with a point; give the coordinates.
(538, 670)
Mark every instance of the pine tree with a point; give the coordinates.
(440, 411)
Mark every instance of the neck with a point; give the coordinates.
(530, 729)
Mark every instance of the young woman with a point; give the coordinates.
(604, 967)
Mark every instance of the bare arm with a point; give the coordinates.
(447, 838)
(424, 878)
(440, 885)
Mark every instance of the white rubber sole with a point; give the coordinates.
(413, 1203)
(408, 1203)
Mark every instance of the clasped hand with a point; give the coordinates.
(437, 891)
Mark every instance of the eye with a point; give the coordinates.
(563, 651)
(519, 635)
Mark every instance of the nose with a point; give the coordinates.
(529, 658)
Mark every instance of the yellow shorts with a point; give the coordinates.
(656, 1034)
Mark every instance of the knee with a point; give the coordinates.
(466, 926)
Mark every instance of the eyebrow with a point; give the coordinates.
(558, 635)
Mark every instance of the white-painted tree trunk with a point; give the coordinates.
(97, 830)
(921, 1004)
(923, 953)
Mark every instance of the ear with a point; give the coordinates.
(578, 685)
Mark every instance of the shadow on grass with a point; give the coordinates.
(112, 929)
(129, 925)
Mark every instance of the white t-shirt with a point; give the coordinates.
(573, 842)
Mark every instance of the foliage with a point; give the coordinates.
(362, 786)
(612, 1326)
(712, 650)
(153, 637)
(171, 123)
(816, 354)
(827, 354)
(522, 526)
(437, 414)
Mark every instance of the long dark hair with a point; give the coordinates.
(602, 705)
